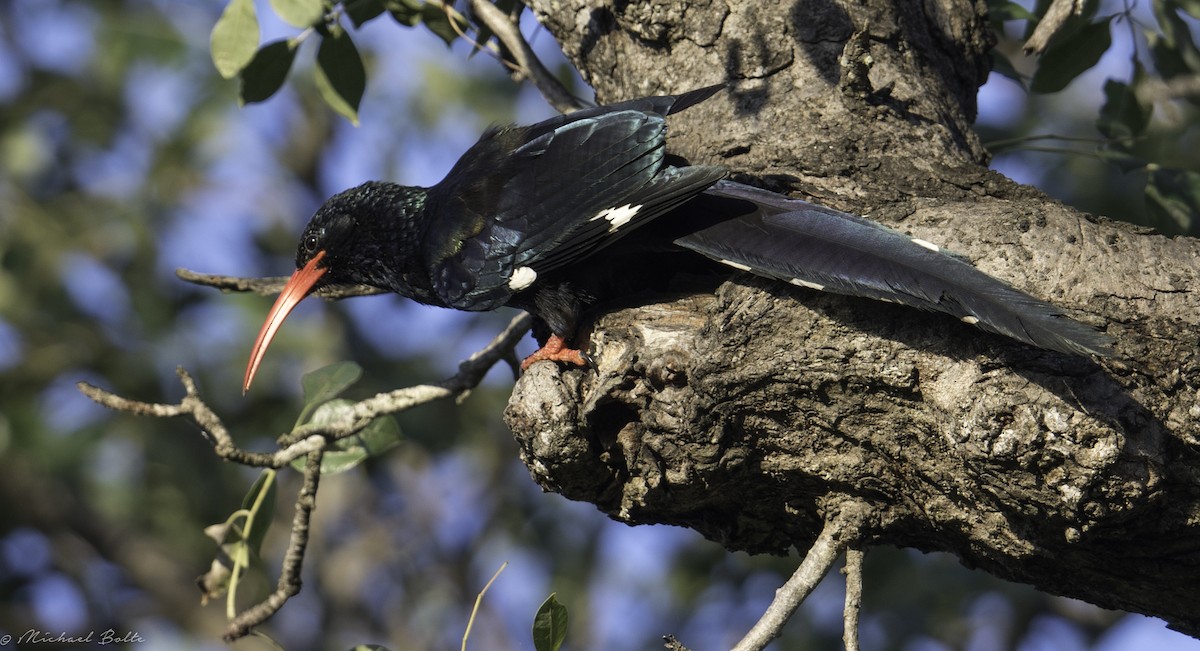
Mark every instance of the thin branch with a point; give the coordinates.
(270, 285)
(310, 438)
(487, 46)
(478, 603)
(293, 559)
(995, 145)
(509, 33)
(834, 539)
(853, 571)
(192, 405)
(1056, 16)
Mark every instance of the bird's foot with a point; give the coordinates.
(556, 350)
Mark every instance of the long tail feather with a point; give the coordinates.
(820, 248)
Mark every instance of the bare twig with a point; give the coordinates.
(839, 530)
(312, 440)
(270, 285)
(192, 405)
(293, 559)
(478, 603)
(487, 46)
(853, 571)
(509, 33)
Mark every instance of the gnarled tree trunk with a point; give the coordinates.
(746, 413)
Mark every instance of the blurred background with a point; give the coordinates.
(123, 155)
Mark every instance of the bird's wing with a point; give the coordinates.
(662, 105)
(517, 206)
(820, 248)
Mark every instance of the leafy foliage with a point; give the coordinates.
(1144, 122)
(321, 388)
(340, 75)
(240, 539)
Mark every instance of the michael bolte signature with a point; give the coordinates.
(34, 636)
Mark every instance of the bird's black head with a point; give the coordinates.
(355, 238)
(357, 234)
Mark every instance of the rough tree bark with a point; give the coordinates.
(749, 413)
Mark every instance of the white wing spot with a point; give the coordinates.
(804, 283)
(617, 217)
(970, 320)
(736, 265)
(927, 244)
(521, 278)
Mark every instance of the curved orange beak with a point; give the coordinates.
(298, 286)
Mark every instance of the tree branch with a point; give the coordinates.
(854, 587)
(509, 33)
(310, 440)
(1072, 475)
(270, 285)
(293, 558)
(1056, 16)
(839, 530)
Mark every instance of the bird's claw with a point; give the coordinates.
(556, 350)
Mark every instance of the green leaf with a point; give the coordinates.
(443, 21)
(299, 13)
(381, 435)
(340, 75)
(1122, 116)
(1066, 58)
(1173, 199)
(328, 382)
(406, 12)
(1168, 61)
(362, 11)
(325, 384)
(267, 71)
(1175, 44)
(550, 625)
(234, 38)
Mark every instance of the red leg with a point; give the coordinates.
(555, 350)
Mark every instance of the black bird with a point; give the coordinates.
(525, 216)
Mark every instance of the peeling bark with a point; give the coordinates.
(746, 413)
